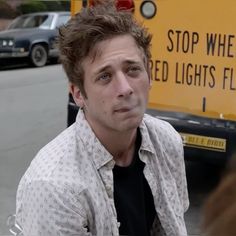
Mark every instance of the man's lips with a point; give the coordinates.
(123, 109)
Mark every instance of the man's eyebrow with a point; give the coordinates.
(107, 67)
(132, 62)
(103, 68)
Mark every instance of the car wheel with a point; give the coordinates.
(38, 55)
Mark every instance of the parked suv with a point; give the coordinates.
(32, 37)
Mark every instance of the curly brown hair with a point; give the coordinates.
(92, 25)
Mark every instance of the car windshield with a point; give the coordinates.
(32, 21)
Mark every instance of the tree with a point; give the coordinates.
(6, 11)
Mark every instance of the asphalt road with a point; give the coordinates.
(33, 111)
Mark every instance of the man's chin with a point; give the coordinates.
(130, 124)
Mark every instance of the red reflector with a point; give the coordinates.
(124, 4)
(120, 4)
(91, 3)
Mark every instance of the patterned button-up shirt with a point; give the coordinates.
(68, 188)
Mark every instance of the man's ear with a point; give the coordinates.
(77, 95)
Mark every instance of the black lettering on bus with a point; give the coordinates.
(188, 43)
(228, 77)
(171, 47)
(185, 41)
(212, 77)
(205, 67)
(197, 75)
(220, 45)
(211, 42)
(195, 40)
(177, 40)
(194, 74)
(177, 73)
(161, 70)
(182, 41)
(151, 68)
(189, 76)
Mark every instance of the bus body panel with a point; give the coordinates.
(193, 71)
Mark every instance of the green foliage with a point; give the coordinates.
(31, 6)
(43, 5)
(6, 11)
(65, 5)
(57, 5)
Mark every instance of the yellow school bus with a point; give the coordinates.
(193, 70)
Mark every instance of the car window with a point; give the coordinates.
(46, 24)
(29, 21)
(62, 19)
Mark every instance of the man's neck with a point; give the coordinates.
(124, 155)
(121, 145)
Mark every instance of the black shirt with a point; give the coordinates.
(133, 198)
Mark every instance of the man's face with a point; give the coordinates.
(116, 84)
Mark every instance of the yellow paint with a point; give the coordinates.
(204, 142)
(192, 20)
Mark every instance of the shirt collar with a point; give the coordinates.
(96, 151)
(146, 144)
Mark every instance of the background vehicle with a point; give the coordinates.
(32, 37)
(193, 70)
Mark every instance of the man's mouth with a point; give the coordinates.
(123, 109)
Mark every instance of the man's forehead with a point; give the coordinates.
(100, 48)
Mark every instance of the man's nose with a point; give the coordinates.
(123, 85)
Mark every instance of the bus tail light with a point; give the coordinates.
(120, 4)
(125, 5)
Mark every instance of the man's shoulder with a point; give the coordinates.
(60, 144)
(53, 155)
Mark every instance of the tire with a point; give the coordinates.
(38, 55)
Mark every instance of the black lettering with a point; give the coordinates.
(189, 77)
(225, 76)
(177, 73)
(205, 67)
(156, 70)
(165, 71)
(212, 83)
(197, 75)
(211, 42)
(228, 77)
(195, 39)
(185, 42)
(183, 73)
(151, 68)
(232, 87)
(230, 45)
(177, 40)
(220, 45)
(161, 70)
(171, 47)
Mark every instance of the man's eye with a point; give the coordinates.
(133, 70)
(104, 77)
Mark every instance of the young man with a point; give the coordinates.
(115, 171)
